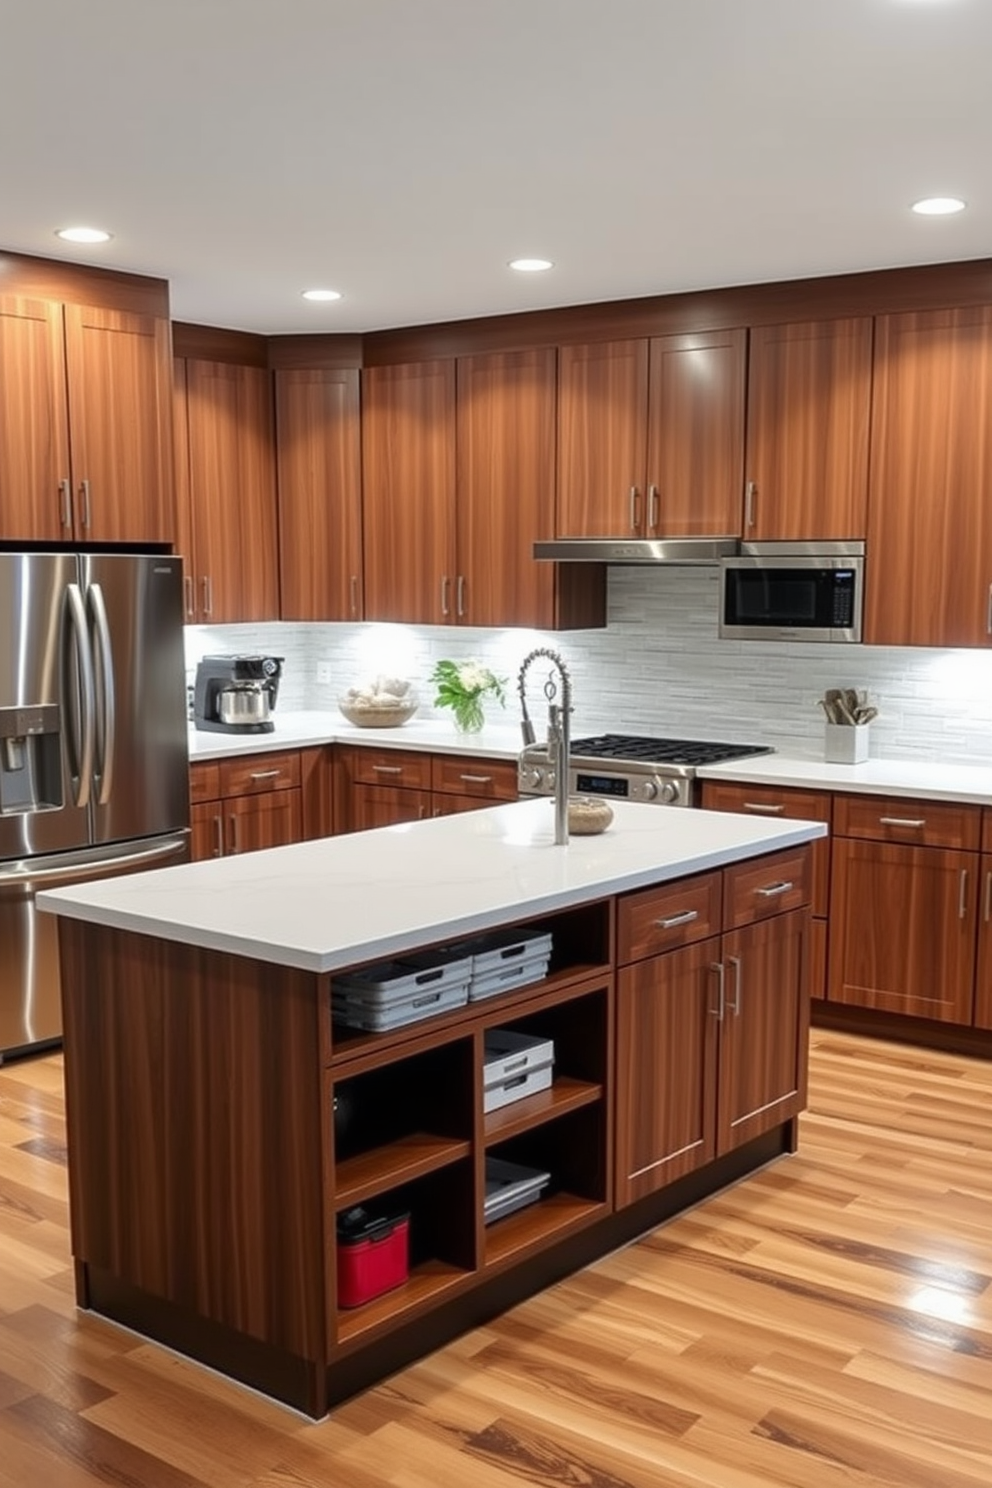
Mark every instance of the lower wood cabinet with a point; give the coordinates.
(712, 1016)
(379, 787)
(240, 804)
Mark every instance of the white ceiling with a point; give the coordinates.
(402, 151)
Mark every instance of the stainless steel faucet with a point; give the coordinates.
(559, 740)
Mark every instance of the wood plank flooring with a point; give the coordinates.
(823, 1324)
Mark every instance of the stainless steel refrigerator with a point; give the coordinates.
(93, 749)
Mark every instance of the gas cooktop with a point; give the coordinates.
(652, 751)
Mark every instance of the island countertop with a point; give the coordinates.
(320, 906)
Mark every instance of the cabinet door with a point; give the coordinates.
(268, 820)
(695, 448)
(808, 405)
(408, 463)
(929, 514)
(384, 806)
(318, 462)
(119, 377)
(666, 1068)
(983, 974)
(206, 820)
(602, 439)
(902, 929)
(35, 503)
(764, 1028)
(506, 488)
(232, 492)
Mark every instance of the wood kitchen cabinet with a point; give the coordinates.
(651, 436)
(808, 408)
(794, 805)
(903, 906)
(378, 787)
(227, 496)
(85, 424)
(319, 473)
(930, 518)
(983, 969)
(240, 805)
(712, 1016)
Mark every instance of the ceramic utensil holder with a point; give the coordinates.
(846, 743)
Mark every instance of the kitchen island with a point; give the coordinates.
(220, 1122)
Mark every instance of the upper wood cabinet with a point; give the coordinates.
(930, 517)
(85, 424)
(651, 437)
(808, 408)
(319, 470)
(229, 528)
(408, 460)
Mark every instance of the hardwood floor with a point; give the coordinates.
(825, 1322)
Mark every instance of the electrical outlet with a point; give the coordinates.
(323, 671)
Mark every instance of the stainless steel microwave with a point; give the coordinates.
(799, 591)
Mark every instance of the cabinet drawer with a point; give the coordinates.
(904, 819)
(760, 887)
(987, 831)
(260, 772)
(672, 915)
(204, 782)
(391, 767)
(789, 804)
(457, 775)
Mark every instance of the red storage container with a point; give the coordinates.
(373, 1254)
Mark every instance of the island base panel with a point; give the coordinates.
(307, 1387)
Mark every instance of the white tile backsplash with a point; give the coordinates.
(659, 668)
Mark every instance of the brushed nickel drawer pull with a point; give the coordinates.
(685, 918)
(735, 1006)
(84, 491)
(445, 586)
(774, 890)
(354, 594)
(65, 503)
(963, 896)
(902, 821)
(218, 837)
(388, 769)
(768, 810)
(476, 779)
(633, 508)
(653, 506)
(234, 834)
(721, 1000)
(190, 602)
(750, 491)
(460, 596)
(264, 774)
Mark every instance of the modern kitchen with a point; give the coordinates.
(496, 777)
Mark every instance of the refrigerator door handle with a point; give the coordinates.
(40, 873)
(81, 748)
(106, 719)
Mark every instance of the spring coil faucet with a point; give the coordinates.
(559, 740)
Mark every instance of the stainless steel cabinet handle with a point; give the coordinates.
(988, 896)
(65, 503)
(768, 810)
(445, 586)
(735, 1006)
(264, 774)
(988, 613)
(190, 600)
(774, 890)
(902, 821)
(234, 834)
(721, 1000)
(685, 918)
(653, 508)
(388, 769)
(963, 895)
(476, 779)
(633, 508)
(460, 596)
(218, 837)
(208, 594)
(750, 491)
(84, 494)
(354, 594)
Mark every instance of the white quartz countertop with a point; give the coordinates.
(939, 781)
(340, 901)
(304, 730)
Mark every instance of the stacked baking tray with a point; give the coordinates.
(390, 994)
(511, 1186)
(515, 1065)
(503, 960)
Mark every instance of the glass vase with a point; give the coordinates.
(469, 716)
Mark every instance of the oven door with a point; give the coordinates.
(792, 596)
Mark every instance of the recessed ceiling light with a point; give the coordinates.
(84, 235)
(321, 294)
(939, 206)
(531, 265)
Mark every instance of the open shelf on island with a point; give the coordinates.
(565, 1095)
(426, 1284)
(410, 1157)
(537, 1224)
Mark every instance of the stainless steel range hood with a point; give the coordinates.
(673, 552)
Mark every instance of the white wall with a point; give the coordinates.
(659, 668)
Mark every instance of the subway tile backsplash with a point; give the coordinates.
(657, 668)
